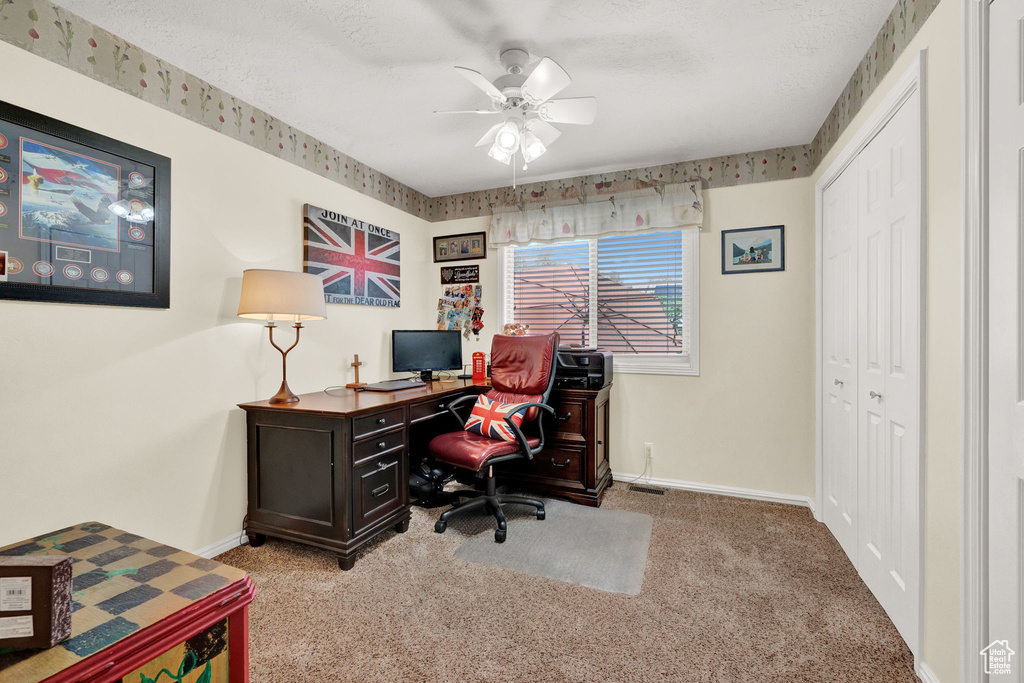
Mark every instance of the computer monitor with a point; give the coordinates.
(425, 351)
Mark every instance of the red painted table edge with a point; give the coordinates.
(128, 654)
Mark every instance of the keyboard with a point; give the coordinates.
(393, 385)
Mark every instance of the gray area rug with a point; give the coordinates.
(593, 547)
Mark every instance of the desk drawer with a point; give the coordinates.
(562, 462)
(377, 446)
(378, 489)
(431, 408)
(574, 428)
(383, 421)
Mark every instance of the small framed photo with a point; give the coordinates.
(754, 250)
(471, 245)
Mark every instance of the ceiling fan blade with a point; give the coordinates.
(469, 111)
(546, 81)
(489, 135)
(477, 79)
(543, 130)
(577, 110)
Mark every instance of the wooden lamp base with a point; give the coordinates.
(284, 395)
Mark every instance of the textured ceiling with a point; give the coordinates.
(674, 79)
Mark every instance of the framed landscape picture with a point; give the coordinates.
(754, 250)
(470, 245)
(83, 218)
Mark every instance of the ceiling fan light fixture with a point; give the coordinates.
(532, 147)
(496, 152)
(508, 137)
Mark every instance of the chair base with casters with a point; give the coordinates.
(490, 499)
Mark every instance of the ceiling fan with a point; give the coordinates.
(526, 106)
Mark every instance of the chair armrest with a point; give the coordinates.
(517, 430)
(462, 399)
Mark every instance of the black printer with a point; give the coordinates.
(580, 368)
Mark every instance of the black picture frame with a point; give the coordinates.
(748, 241)
(76, 155)
(468, 246)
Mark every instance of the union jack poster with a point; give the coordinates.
(358, 261)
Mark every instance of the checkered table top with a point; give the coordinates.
(121, 584)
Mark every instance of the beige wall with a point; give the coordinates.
(127, 416)
(748, 420)
(941, 36)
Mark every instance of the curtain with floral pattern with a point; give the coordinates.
(661, 207)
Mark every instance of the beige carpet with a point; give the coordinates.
(734, 591)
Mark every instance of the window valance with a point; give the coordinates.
(661, 207)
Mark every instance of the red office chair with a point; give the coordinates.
(522, 373)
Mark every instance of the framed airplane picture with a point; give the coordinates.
(83, 218)
(754, 250)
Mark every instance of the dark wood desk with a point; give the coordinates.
(332, 470)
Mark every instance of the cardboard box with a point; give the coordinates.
(35, 600)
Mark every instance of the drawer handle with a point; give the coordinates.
(381, 466)
(382, 420)
(440, 405)
(564, 418)
(384, 444)
(560, 464)
(380, 490)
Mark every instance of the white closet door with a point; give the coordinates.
(889, 360)
(1006, 374)
(839, 356)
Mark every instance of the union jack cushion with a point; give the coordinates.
(488, 419)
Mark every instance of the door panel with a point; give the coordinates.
(1006, 411)
(839, 372)
(889, 380)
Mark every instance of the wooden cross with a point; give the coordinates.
(355, 364)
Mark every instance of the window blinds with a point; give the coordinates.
(639, 293)
(549, 288)
(625, 294)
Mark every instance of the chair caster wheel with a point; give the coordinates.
(499, 536)
(440, 526)
(541, 514)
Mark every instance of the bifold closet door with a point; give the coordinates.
(889, 361)
(839, 358)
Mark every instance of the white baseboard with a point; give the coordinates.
(735, 492)
(925, 674)
(223, 545)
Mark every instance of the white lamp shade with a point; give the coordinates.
(282, 295)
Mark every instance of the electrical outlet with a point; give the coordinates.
(649, 451)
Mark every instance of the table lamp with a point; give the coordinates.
(274, 295)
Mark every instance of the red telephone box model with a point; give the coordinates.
(479, 366)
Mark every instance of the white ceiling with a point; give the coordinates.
(675, 79)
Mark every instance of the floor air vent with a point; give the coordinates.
(647, 489)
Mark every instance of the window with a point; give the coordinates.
(634, 295)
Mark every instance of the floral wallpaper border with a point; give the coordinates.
(903, 23)
(62, 37)
(728, 171)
